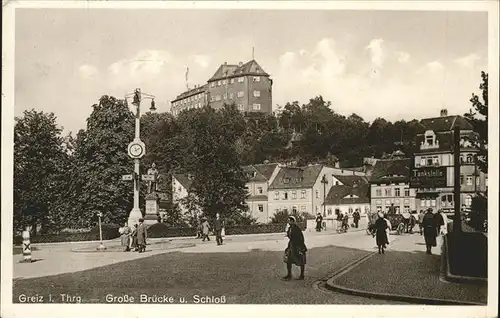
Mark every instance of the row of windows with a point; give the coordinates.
(231, 96)
(434, 160)
(406, 208)
(189, 99)
(240, 79)
(350, 210)
(294, 209)
(294, 195)
(388, 192)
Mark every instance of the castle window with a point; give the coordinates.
(212, 84)
(224, 82)
(231, 95)
(470, 158)
(218, 83)
(256, 93)
(256, 106)
(303, 194)
(232, 81)
(240, 106)
(241, 79)
(241, 94)
(256, 78)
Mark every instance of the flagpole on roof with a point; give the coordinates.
(187, 73)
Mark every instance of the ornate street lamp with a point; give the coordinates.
(101, 246)
(137, 150)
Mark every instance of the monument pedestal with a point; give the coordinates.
(134, 217)
(152, 209)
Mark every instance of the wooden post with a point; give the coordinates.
(457, 222)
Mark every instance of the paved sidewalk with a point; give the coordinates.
(53, 260)
(406, 273)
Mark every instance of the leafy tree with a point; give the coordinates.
(478, 117)
(101, 160)
(209, 138)
(40, 164)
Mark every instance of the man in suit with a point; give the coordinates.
(218, 226)
(141, 236)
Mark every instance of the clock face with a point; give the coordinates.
(136, 150)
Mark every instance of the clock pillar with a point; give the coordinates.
(136, 213)
(136, 151)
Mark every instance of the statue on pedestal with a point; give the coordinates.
(152, 185)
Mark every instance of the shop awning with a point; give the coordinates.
(433, 194)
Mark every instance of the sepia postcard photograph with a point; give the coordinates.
(204, 155)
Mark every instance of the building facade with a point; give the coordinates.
(180, 189)
(433, 171)
(246, 85)
(259, 178)
(302, 189)
(191, 99)
(347, 199)
(390, 185)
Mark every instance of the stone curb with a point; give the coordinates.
(178, 246)
(330, 284)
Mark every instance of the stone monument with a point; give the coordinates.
(152, 198)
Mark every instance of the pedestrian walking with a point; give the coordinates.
(319, 221)
(125, 236)
(218, 226)
(199, 228)
(389, 226)
(205, 229)
(441, 222)
(421, 221)
(356, 216)
(295, 253)
(430, 225)
(133, 238)
(381, 237)
(141, 236)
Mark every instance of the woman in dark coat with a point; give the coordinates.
(381, 233)
(430, 230)
(295, 253)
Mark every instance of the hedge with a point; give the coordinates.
(162, 230)
(109, 232)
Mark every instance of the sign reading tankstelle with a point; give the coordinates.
(428, 177)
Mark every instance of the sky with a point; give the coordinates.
(390, 64)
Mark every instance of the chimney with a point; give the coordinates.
(240, 63)
(225, 63)
(444, 112)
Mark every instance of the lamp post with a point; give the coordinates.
(101, 246)
(325, 182)
(137, 150)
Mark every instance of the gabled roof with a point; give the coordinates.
(337, 195)
(296, 177)
(266, 169)
(232, 70)
(391, 170)
(191, 92)
(351, 180)
(253, 174)
(183, 179)
(446, 123)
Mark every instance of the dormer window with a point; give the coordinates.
(286, 180)
(430, 138)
